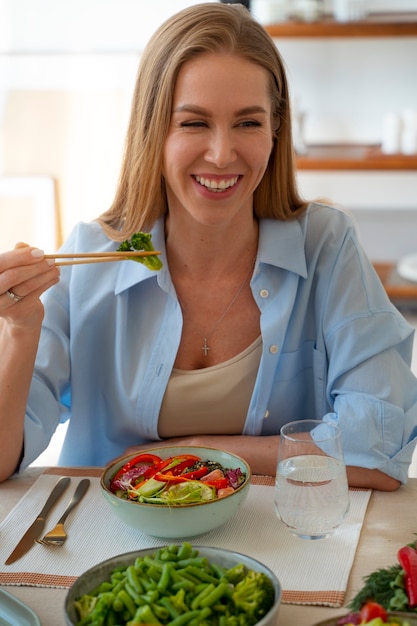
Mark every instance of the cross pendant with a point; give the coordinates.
(205, 347)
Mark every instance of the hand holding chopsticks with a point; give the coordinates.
(100, 257)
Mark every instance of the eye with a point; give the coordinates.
(250, 124)
(194, 124)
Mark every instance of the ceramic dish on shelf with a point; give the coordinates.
(409, 619)
(407, 267)
(14, 611)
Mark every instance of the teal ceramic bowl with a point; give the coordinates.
(185, 520)
(93, 577)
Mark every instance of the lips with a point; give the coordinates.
(217, 185)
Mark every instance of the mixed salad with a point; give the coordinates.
(180, 479)
(394, 587)
(371, 614)
(387, 589)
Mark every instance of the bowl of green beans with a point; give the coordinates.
(176, 492)
(176, 585)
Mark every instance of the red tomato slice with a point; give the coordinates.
(370, 610)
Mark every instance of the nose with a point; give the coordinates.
(221, 150)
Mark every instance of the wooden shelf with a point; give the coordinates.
(398, 289)
(353, 157)
(376, 25)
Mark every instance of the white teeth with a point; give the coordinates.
(215, 185)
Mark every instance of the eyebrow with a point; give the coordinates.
(191, 108)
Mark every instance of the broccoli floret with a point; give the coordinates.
(235, 574)
(95, 608)
(178, 601)
(142, 241)
(85, 605)
(254, 595)
(144, 615)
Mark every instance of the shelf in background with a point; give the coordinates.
(398, 289)
(353, 157)
(375, 25)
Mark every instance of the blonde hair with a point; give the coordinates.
(140, 197)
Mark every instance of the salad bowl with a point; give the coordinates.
(186, 509)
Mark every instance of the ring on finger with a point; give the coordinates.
(13, 296)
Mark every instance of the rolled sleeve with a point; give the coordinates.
(375, 434)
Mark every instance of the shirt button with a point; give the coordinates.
(264, 293)
(273, 349)
(266, 414)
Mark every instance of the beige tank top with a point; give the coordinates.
(213, 400)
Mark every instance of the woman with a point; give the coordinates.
(266, 309)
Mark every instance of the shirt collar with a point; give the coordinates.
(282, 243)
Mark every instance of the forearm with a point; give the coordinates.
(26, 269)
(262, 454)
(259, 452)
(18, 351)
(371, 479)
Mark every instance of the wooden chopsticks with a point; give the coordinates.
(100, 257)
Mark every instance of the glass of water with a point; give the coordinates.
(311, 489)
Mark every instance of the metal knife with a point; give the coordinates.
(35, 530)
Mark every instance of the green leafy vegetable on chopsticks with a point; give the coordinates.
(141, 241)
(394, 587)
(176, 586)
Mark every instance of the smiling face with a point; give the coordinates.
(220, 139)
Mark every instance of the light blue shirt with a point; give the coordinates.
(333, 346)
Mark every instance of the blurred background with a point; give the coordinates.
(67, 71)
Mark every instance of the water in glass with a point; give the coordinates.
(311, 490)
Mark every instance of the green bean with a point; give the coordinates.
(217, 593)
(120, 585)
(105, 586)
(118, 605)
(160, 611)
(136, 597)
(152, 562)
(201, 574)
(185, 551)
(198, 561)
(218, 570)
(147, 584)
(133, 579)
(111, 619)
(165, 602)
(151, 596)
(187, 576)
(183, 583)
(127, 601)
(165, 578)
(204, 613)
(185, 618)
(195, 603)
(154, 573)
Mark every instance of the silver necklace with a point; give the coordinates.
(206, 336)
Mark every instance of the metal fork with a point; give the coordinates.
(57, 536)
